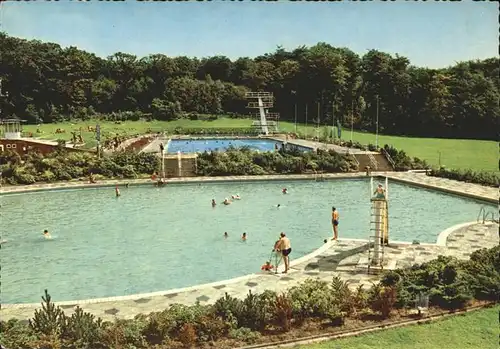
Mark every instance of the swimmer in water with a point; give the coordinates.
(46, 234)
(226, 201)
(226, 235)
(284, 191)
(278, 205)
(236, 197)
(244, 237)
(213, 203)
(117, 191)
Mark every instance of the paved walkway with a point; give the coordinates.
(315, 145)
(347, 258)
(448, 185)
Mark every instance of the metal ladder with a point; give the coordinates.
(372, 238)
(485, 214)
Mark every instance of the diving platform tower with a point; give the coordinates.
(379, 226)
(263, 101)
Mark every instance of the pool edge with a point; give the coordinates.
(440, 241)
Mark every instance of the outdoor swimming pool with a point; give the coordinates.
(222, 144)
(153, 239)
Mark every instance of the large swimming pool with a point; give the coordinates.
(222, 144)
(153, 239)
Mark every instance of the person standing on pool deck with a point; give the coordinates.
(285, 248)
(335, 223)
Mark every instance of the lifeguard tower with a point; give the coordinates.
(263, 101)
(11, 128)
(379, 231)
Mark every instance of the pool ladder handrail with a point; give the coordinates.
(485, 214)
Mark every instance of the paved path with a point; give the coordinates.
(448, 185)
(337, 148)
(347, 258)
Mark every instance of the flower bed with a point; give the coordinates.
(309, 308)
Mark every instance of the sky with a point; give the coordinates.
(432, 34)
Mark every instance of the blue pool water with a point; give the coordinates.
(153, 239)
(222, 144)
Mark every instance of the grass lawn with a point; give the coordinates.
(109, 128)
(454, 153)
(478, 329)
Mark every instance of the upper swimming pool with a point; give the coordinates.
(222, 144)
(152, 239)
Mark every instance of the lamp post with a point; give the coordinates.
(352, 118)
(333, 120)
(295, 118)
(376, 131)
(306, 121)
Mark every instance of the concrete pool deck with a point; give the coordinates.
(346, 258)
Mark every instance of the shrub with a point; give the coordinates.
(283, 312)
(442, 279)
(312, 298)
(244, 334)
(187, 335)
(247, 162)
(483, 273)
(124, 334)
(491, 179)
(50, 319)
(229, 309)
(83, 327)
(403, 162)
(16, 334)
(382, 299)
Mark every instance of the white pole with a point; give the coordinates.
(376, 132)
(317, 124)
(162, 166)
(386, 188)
(295, 118)
(333, 120)
(352, 121)
(371, 186)
(306, 121)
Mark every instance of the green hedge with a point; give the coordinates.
(484, 178)
(243, 131)
(63, 165)
(244, 161)
(450, 284)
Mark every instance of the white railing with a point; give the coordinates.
(389, 158)
(257, 105)
(258, 95)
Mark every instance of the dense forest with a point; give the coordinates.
(47, 83)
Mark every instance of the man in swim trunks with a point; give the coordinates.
(335, 223)
(285, 248)
(379, 192)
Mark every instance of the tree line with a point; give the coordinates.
(47, 83)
